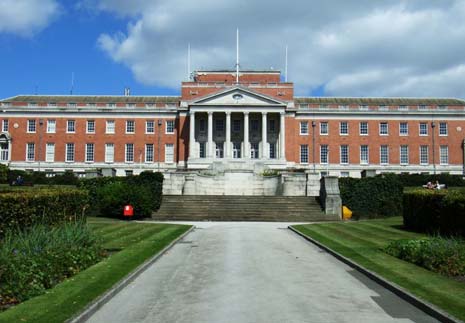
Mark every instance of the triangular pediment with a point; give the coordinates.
(237, 96)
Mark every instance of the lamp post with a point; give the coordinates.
(158, 146)
(433, 125)
(39, 151)
(313, 145)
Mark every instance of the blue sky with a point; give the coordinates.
(336, 47)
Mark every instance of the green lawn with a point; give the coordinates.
(132, 244)
(362, 242)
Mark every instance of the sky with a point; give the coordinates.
(382, 48)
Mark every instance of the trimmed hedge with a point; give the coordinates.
(435, 211)
(22, 209)
(372, 197)
(412, 180)
(67, 178)
(110, 194)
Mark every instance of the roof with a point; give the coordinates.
(92, 99)
(378, 101)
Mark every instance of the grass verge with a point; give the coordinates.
(137, 242)
(362, 242)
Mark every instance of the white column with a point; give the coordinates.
(265, 149)
(282, 132)
(227, 147)
(246, 153)
(210, 135)
(192, 135)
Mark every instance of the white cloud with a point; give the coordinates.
(364, 47)
(26, 17)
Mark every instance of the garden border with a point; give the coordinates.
(95, 305)
(426, 307)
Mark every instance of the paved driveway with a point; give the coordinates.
(253, 272)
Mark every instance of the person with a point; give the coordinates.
(429, 185)
(19, 180)
(437, 185)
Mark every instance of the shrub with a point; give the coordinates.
(21, 209)
(372, 197)
(434, 211)
(3, 174)
(444, 256)
(40, 257)
(412, 180)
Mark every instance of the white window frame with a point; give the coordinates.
(169, 127)
(384, 152)
(423, 132)
(363, 130)
(30, 152)
(324, 128)
(219, 126)
(219, 149)
(51, 126)
(237, 150)
(109, 153)
(404, 154)
(272, 147)
(90, 152)
(202, 150)
(403, 128)
(90, 126)
(69, 152)
(303, 128)
(149, 153)
(443, 129)
(382, 128)
(169, 153)
(344, 154)
(364, 155)
(5, 125)
(304, 157)
(324, 154)
(343, 128)
(424, 154)
(236, 125)
(49, 152)
(129, 153)
(70, 126)
(130, 126)
(444, 155)
(150, 126)
(110, 127)
(31, 126)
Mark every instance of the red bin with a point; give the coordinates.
(128, 210)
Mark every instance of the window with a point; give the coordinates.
(364, 155)
(31, 126)
(343, 107)
(424, 156)
(403, 107)
(30, 151)
(219, 125)
(383, 108)
(443, 128)
(444, 155)
(254, 151)
(403, 129)
(236, 125)
(324, 130)
(404, 158)
(72, 105)
(442, 107)
(90, 148)
(324, 154)
(384, 154)
(131, 105)
(423, 131)
(344, 154)
(50, 152)
(363, 107)
(52, 104)
(110, 127)
(202, 150)
(111, 105)
(69, 157)
(169, 153)
(170, 126)
(254, 125)
(51, 126)
(149, 153)
(149, 126)
(91, 105)
(345, 174)
(5, 125)
(423, 107)
(32, 104)
(272, 125)
(128, 172)
(109, 153)
(272, 150)
(324, 107)
(129, 153)
(90, 126)
(343, 128)
(304, 154)
(364, 128)
(202, 125)
(130, 126)
(303, 127)
(4, 152)
(71, 126)
(236, 150)
(219, 151)
(383, 129)
(149, 105)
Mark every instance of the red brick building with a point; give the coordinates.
(257, 120)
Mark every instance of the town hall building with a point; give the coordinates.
(235, 123)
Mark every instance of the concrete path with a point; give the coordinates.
(253, 272)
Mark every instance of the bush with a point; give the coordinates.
(3, 174)
(21, 209)
(444, 256)
(372, 197)
(40, 257)
(412, 180)
(435, 211)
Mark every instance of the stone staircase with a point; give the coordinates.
(240, 208)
